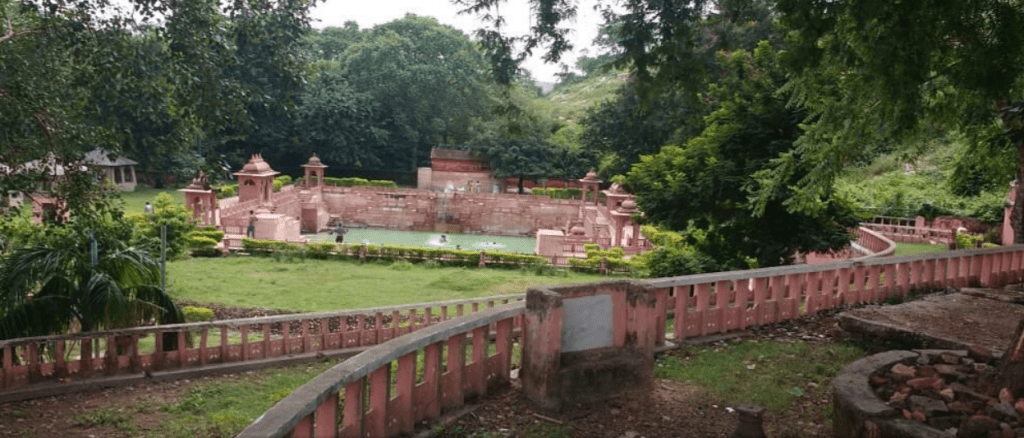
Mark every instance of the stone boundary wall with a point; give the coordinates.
(29, 370)
(742, 299)
(867, 243)
(417, 210)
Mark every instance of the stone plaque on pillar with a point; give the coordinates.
(587, 323)
(586, 343)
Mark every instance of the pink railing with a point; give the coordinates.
(360, 389)
(697, 305)
(717, 303)
(29, 362)
(874, 243)
(905, 233)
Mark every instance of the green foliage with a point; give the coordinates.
(865, 75)
(281, 181)
(924, 193)
(59, 282)
(355, 182)
(672, 255)
(558, 193)
(202, 245)
(213, 234)
(264, 282)
(178, 220)
(967, 241)
(419, 82)
(383, 183)
(613, 260)
(763, 373)
(227, 191)
(708, 183)
(197, 314)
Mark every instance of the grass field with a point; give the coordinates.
(135, 202)
(321, 285)
(918, 248)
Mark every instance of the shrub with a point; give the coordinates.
(319, 251)
(214, 234)
(197, 314)
(383, 183)
(227, 191)
(967, 241)
(202, 246)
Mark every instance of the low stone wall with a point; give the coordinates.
(418, 210)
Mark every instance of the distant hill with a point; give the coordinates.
(569, 103)
(545, 87)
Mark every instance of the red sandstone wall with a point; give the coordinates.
(405, 209)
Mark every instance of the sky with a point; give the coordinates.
(334, 13)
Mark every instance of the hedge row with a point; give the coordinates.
(358, 182)
(388, 252)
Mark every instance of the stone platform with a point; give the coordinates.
(961, 319)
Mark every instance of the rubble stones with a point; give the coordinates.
(941, 393)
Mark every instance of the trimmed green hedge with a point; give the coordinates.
(447, 257)
(197, 314)
(227, 191)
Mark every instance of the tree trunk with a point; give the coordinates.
(521, 189)
(1011, 367)
(1017, 215)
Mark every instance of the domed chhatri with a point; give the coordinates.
(628, 206)
(256, 165)
(591, 177)
(314, 170)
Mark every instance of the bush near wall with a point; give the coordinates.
(197, 314)
(202, 246)
(557, 193)
(281, 181)
(346, 182)
(613, 260)
(227, 191)
(445, 257)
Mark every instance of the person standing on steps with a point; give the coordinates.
(250, 231)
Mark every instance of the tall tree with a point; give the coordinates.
(706, 184)
(427, 83)
(867, 71)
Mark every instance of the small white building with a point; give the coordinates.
(120, 171)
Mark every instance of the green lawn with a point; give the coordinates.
(135, 201)
(321, 285)
(918, 248)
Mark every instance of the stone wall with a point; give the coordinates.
(417, 210)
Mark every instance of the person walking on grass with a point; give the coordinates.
(339, 232)
(250, 231)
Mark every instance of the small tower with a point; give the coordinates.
(622, 217)
(256, 180)
(590, 183)
(201, 199)
(314, 168)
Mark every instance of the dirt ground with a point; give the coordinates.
(673, 409)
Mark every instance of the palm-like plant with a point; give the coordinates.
(47, 289)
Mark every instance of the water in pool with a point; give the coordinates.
(479, 242)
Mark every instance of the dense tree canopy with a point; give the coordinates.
(706, 183)
(427, 85)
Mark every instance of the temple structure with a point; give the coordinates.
(561, 226)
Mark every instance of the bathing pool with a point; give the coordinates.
(478, 242)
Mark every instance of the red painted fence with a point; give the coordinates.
(698, 304)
